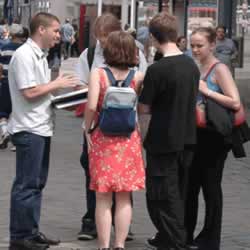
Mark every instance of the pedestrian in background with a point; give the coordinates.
(67, 33)
(90, 59)
(75, 45)
(115, 162)
(169, 94)
(18, 36)
(4, 36)
(31, 127)
(225, 49)
(211, 152)
(182, 45)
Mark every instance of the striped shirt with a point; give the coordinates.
(6, 53)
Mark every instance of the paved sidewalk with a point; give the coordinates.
(64, 197)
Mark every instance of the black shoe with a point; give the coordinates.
(27, 244)
(155, 241)
(88, 230)
(130, 235)
(42, 239)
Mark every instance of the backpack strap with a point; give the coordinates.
(129, 78)
(90, 56)
(126, 82)
(110, 76)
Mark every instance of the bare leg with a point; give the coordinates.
(103, 218)
(123, 215)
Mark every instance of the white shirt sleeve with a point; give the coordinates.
(82, 68)
(142, 62)
(22, 69)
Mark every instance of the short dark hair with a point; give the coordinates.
(42, 19)
(163, 27)
(121, 50)
(180, 38)
(106, 23)
(221, 27)
(209, 32)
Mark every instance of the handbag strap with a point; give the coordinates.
(210, 70)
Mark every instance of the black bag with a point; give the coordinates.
(219, 118)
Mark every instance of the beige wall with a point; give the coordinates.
(65, 9)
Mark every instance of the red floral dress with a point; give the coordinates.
(116, 163)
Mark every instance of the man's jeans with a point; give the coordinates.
(32, 165)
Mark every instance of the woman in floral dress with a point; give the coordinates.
(116, 163)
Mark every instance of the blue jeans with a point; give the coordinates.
(32, 165)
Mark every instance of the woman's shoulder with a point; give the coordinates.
(221, 69)
(139, 76)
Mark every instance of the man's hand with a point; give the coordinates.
(66, 81)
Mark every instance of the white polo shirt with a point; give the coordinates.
(29, 68)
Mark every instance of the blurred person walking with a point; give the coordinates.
(18, 36)
(31, 127)
(67, 32)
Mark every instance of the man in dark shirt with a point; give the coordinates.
(169, 95)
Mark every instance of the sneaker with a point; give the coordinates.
(4, 140)
(13, 149)
(88, 230)
(130, 235)
(155, 241)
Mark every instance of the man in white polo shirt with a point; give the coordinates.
(31, 128)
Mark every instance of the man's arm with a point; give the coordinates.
(43, 89)
(144, 109)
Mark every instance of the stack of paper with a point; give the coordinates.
(70, 99)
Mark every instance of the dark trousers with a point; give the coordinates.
(206, 174)
(166, 191)
(90, 194)
(32, 166)
(5, 100)
(66, 49)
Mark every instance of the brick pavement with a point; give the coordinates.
(64, 201)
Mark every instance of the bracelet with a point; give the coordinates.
(209, 92)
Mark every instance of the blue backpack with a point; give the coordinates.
(118, 113)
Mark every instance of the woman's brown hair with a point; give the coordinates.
(209, 33)
(121, 50)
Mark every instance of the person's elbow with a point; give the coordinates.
(143, 109)
(236, 105)
(29, 94)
